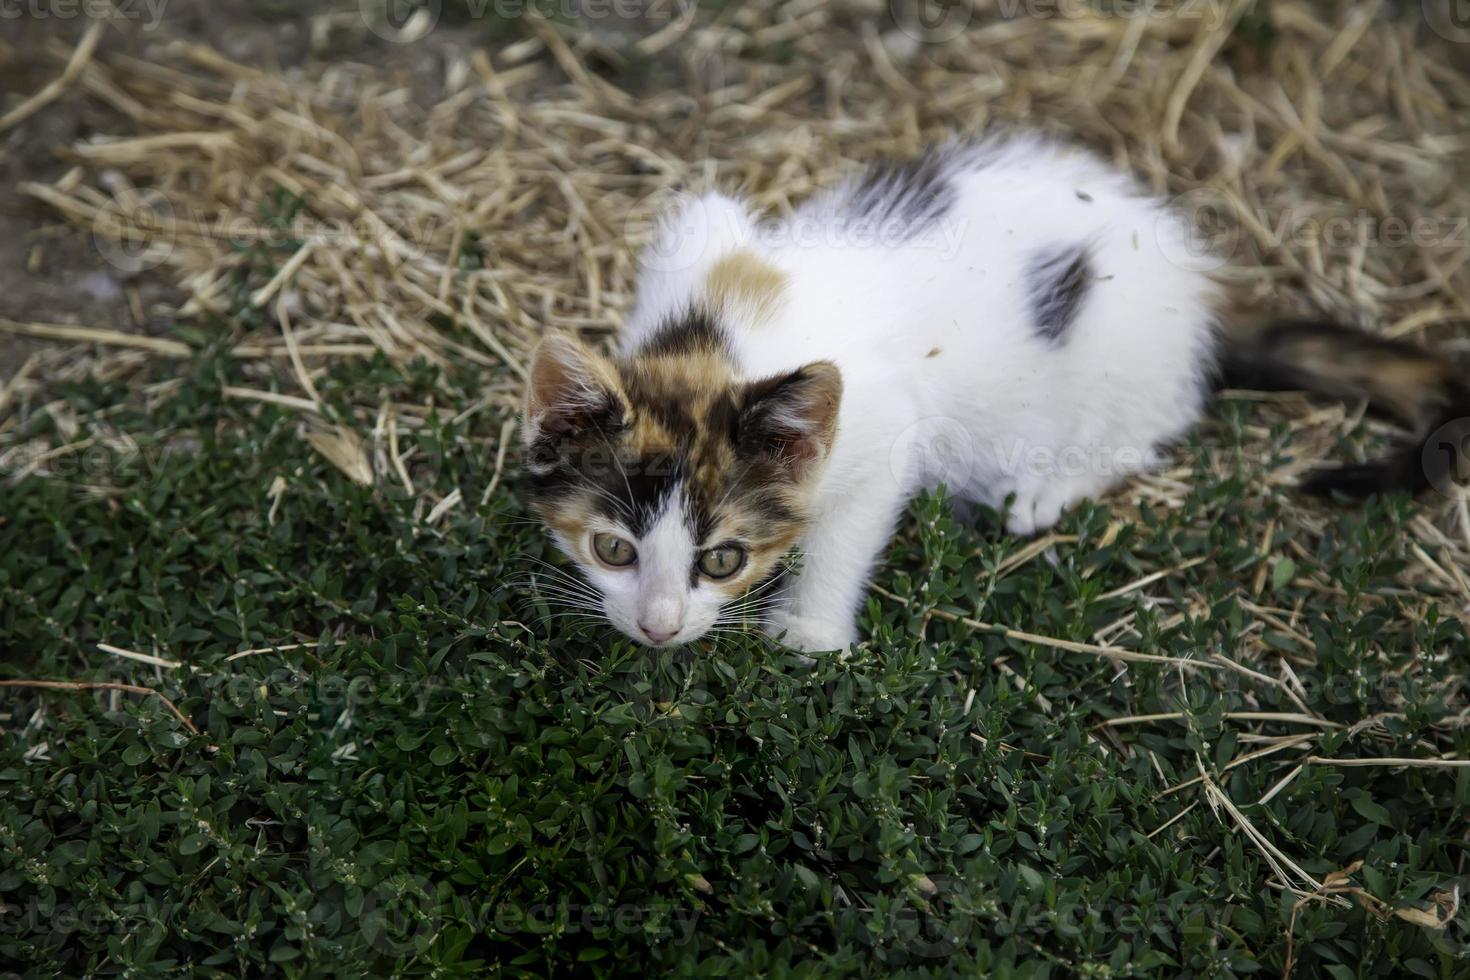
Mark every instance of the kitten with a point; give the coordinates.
(1014, 319)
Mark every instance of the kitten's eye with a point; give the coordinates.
(722, 562)
(613, 550)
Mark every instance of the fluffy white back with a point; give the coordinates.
(1014, 319)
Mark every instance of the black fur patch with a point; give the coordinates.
(631, 488)
(910, 195)
(1059, 279)
(1397, 379)
(1290, 356)
(689, 332)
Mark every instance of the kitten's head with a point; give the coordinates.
(676, 486)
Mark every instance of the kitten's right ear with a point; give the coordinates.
(792, 418)
(571, 391)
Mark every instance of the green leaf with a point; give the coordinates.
(1282, 574)
(1375, 812)
(193, 844)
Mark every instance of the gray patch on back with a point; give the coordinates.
(906, 195)
(906, 198)
(1058, 279)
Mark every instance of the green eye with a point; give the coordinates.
(722, 562)
(613, 550)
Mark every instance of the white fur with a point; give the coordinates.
(945, 378)
(651, 600)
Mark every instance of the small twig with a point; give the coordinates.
(1275, 682)
(8, 388)
(1334, 883)
(505, 430)
(1280, 785)
(1285, 743)
(106, 686)
(1171, 821)
(1071, 646)
(1281, 716)
(97, 335)
(395, 458)
(54, 89)
(1283, 865)
(1389, 761)
(1150, 579)
(258, 650)
(1262, 552)
(283, 316)
(1041, 699)
(145, 658)
(283, 276)
(285, 401)
(1006, 747)
(444, 506)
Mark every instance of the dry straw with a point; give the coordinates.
(1329, 160)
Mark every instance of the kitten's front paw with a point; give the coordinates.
(1033, 513)
(812, 635)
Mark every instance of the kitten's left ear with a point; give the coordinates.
(792, 418)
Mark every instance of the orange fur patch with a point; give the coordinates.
(744, 280)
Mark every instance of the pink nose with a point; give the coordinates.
(657, 636)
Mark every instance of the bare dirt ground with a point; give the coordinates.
(49, 271)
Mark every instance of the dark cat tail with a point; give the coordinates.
(1397, 378)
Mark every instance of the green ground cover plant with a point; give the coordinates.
(394, 760)
(285, 688)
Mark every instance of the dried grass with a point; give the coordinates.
(559, 171)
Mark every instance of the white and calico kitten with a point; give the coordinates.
(1013, 318)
